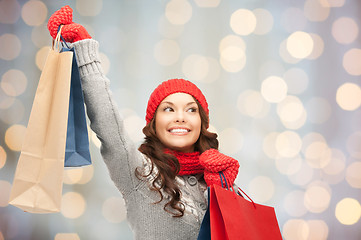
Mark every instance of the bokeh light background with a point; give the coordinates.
(282, 79)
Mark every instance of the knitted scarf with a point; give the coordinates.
(189, 162)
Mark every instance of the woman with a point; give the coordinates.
(164, 181)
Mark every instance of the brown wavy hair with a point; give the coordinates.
(168, 165)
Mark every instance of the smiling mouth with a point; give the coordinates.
(179, 130)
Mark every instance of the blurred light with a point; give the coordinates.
(134, 125)
(315, 11)
(195, 67)
(2, 157)
(317, 197)
(348, 211)
(243, 22)
(14, 82)
(296, 80)
(293, 19)
(10, 46)
(87, 174)
(34, 13)
(14, 114)
(232, 41)
(291, 112)
(318, 230)
(274, 89)
(318, 110)
(10, 13)
(5, 187)
(232, 53)
(351, 61)
(178, 12)
(14, 136)
(318, 46)
(353, 145)
(41, 56)
(336, 166)
(5, 101)
(303, 176)
(40, 36)
(233, 66)
(334, 3)
(264, 22)
(345, 30)
(105, 63)
(295, 229)
(348, 96)
(318, 154)
(289, 166)
(261, 189)
(89, 7)
(288, 144)
(251, 103)
(294, 205)
(67, 236)
(1, 236)
(169, 30)
(167, 52)
(311, 138)
(231, 141)
(300, 44)
(72, 205)
(285, 55)
(114, 210)
(208, 3)
(269, 147)
(353, 176)
(72, 175)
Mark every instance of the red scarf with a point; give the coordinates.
(189, 162)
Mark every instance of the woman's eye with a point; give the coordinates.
(168, 109)
(192, 110)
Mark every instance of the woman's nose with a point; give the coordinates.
(180, 117)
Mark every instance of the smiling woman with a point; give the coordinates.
(178, 123)
(164, 181)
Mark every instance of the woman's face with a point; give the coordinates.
(177, 122)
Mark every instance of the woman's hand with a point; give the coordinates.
(214, 162)
(71, 31)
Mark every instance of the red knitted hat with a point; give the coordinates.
(169, 87)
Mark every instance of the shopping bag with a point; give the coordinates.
(235, 218)
(77, 142)
(205, 230)
(37, 185)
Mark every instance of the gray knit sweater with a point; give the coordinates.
(120, 154)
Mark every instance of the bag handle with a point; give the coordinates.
(63, 42)
(223, 178)
(56, 41)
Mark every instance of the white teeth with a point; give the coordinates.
(178, 130)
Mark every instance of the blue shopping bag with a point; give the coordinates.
(77, 142)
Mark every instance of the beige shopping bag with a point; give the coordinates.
(37, 185)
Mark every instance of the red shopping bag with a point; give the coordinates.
(233, 217)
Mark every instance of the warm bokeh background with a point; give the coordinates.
(282, 79)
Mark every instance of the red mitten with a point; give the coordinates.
(214, 162)
(71, 31)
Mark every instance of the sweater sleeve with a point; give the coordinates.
(118, 151)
